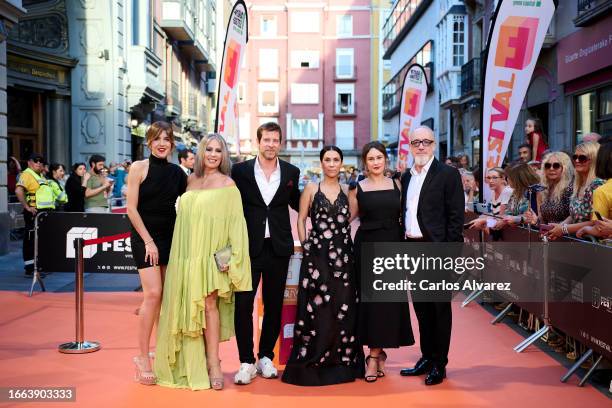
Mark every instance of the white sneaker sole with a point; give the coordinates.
(240, 382)
(268, 378)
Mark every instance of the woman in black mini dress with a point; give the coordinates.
(153, 188)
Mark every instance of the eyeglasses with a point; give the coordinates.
(492, 177)
(425, 142)
(555, 166)
(580, 158)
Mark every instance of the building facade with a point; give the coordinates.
(10, 12)
(571, 87)
(308, 68)
(409, 36)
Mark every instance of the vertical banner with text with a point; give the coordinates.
(234, 48)
(514, 44)
(414, 92)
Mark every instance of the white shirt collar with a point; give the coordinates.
(424, 170)
(258, 166)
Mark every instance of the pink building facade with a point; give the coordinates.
(307, 67)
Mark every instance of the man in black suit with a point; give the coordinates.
(433, 211)
(268, 187)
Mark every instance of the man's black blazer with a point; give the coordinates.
(440, 212)
(256, 211)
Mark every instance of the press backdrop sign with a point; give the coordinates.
(57, 231)
(515, 42)
(414, 92)
(236, 38)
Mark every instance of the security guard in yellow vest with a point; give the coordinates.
(33, 198)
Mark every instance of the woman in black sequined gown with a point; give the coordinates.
(325, 345)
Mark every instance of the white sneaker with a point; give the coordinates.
(246, 373)
(266, 368)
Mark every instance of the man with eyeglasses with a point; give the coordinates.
(433, 211)
(28, 183)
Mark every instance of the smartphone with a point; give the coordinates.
(598, 215)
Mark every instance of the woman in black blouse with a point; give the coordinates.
(75, 188)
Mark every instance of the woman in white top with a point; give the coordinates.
(501, 194)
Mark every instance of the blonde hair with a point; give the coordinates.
(554, 192)
(590, 150)
(224, 167)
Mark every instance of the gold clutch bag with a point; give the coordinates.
(223, 256)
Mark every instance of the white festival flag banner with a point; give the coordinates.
(414, 92)
(234, 49)
(514, 45)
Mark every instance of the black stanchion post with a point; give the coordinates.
(79, 346)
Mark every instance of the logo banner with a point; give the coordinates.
(414, 92)
(514, 45)
(236, 38)
(56, 232)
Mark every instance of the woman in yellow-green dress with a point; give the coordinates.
(198, 302)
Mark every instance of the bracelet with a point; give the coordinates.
(564, 229)
(148, 242)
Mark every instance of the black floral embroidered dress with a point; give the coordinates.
(325, 346)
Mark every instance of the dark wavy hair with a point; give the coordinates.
(373, 145)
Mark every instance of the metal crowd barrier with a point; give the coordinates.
(585, 322)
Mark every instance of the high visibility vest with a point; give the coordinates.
(44, 194)
(58, 193)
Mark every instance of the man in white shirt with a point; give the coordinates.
(186, 160)
(433, 204)
(268, 187)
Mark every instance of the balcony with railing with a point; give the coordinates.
(404, 15)
(345, 109)
(590, 11)
(193, 106)
(173, 98)
(470, 78)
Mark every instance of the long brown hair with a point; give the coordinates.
(539, 129)
(521, 176)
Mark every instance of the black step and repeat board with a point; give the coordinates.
(56, 232)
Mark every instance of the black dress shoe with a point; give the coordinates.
(435, 376)
(421, 367)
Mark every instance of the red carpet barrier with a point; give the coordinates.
(578, 302)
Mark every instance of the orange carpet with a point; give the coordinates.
(484, 371)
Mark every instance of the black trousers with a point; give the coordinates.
(435, 323)
(272, 270)
(28, 242)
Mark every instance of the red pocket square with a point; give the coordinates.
(290, 183)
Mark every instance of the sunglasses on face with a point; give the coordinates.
(555, 166)
(417, 142)
(580, 158)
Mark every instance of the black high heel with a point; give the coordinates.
(382, 357)
(371, 378)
